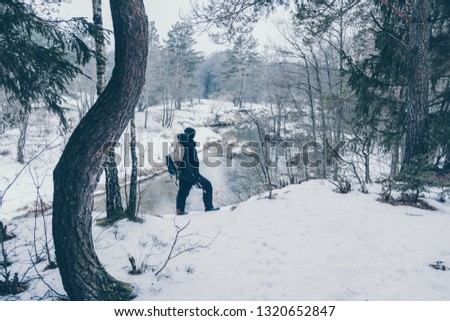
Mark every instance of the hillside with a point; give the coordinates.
(308, 243)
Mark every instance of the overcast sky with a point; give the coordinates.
(165, 13)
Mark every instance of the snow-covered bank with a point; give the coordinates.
(308, 243)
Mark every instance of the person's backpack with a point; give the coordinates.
(171, 167)
(175, 156)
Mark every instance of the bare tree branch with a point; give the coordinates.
(190, 248)
(47, 147)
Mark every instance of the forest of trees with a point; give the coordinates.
(372, 73)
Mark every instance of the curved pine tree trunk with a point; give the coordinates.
(83, 276)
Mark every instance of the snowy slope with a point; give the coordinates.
(308, 243)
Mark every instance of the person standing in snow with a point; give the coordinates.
(189, 174)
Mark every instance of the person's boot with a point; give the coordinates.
(212, 209)
(180, 212)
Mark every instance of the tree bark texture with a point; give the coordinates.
(395, 159)
(114, 207)
(416, 145)
(83, 276)
(99, 45)
(23, 127)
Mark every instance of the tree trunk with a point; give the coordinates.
(309, 92)
(99, 45)
(2, 121)
(338, 129)
(132, 202)
(340, 111)
(416, 145)
(242, 90)
(367, 178)
(146, 116)
(178, 103)
(113, 206)
(395, 159)
(82, 274)
(23, 126)
(322, 112)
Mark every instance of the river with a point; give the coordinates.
(158, 193)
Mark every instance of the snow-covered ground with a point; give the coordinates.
(308, 243)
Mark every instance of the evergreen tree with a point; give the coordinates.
(155, 74)
(225, 19)
(36, 56)
(403, 83)
(439, 102)
(211, 74)
(183, 61)
(240, 67)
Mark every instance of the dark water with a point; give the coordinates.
(231, 183)
(157, 196)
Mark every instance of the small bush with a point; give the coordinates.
(343, 186)
(12, 286)
(416, 177)
(412, 180)
(9, 282)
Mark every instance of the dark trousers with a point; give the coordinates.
(185, 187)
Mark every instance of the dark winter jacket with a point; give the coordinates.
(190, 167)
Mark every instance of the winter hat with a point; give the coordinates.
(190, 132)
(183, 138)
